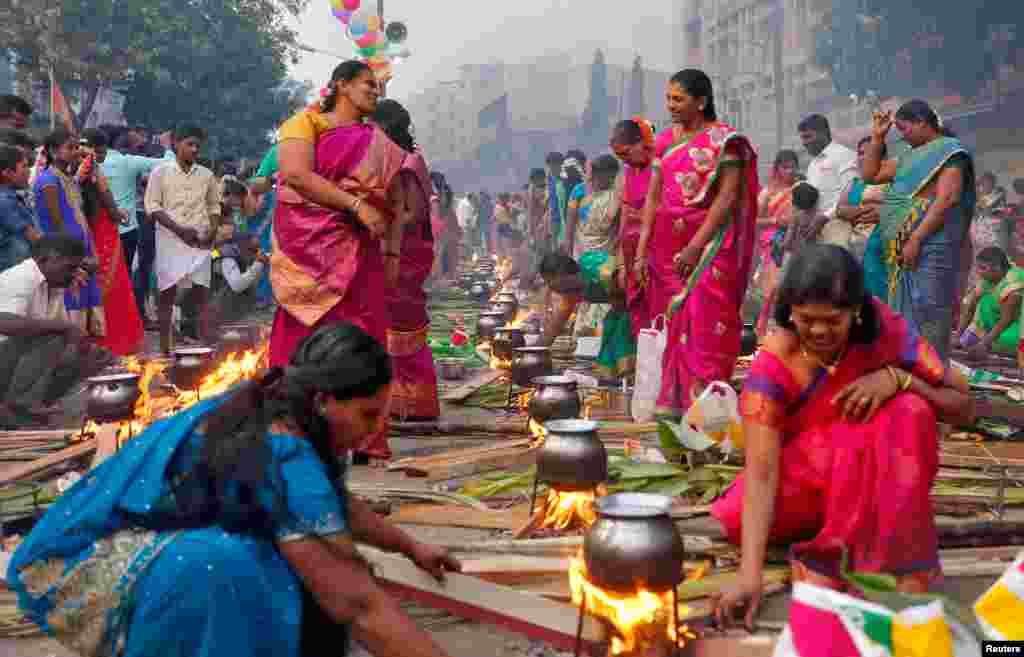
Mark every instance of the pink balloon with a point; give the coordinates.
(367, 40)
(351, 5)
(344, 16)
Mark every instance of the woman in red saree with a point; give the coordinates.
(699, 221)
(339, 185)
(414, 387)
(124, 334)
(633, 143)
(840, 424)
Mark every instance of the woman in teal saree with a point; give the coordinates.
(924, 218)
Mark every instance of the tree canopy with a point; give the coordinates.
(219, 63)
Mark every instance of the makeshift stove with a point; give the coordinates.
(573, 462)
(628, 573)
(125, 398)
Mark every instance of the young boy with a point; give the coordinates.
(807, 220)
(17, 228)
(183, 200)
(237, 274)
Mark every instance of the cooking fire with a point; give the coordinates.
(641, 623)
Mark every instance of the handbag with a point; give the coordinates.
(650, 350)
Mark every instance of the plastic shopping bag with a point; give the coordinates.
(716, 414)
(650, 348)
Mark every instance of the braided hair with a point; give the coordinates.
(234, 458)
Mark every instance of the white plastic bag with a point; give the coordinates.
(716, 414)
(650, 348)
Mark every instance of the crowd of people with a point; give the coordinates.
(852, 271)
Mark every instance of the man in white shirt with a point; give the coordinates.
(465, 213)
(42, 353)
(832, 167)
(183, 199)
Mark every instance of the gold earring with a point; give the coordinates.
(858, 319)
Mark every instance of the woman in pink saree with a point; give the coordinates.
(699, 221)
(633, 143)
(340, 185)
(414, 386)
(773, 215)
(840, 423)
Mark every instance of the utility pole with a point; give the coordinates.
(777, 74)
(380, 14)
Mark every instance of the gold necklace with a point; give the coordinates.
(815, 360)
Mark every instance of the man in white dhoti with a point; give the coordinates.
(183, 199)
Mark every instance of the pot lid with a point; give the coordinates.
(633, 505)
(554, 380)
(193, 351)
(571, 426)
(114, 378)
(533, 350)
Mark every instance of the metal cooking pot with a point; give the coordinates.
(507, 308)
(555, 398)
(748, 340)
(531, 363)
(112, 397)
(572, 456)
(509, 297)
(506, 340)
(634, 544)
(478, 291)
(451, 368)
(238, 337)
(190, 366)
(487, 323)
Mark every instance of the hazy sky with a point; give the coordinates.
(476, 31)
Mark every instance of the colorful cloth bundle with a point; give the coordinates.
(823, 622)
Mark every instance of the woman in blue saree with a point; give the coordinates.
(924, 218)
(226, 529)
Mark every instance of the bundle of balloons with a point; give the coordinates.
(365, 30)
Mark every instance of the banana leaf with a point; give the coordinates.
(648, 471)
(670, 487)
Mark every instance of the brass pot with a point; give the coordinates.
(190, 366)
(634, 544)
(487, 323)
(572, 456)
(555, 398)
(506, 340)
(531, 363)
(112, 397)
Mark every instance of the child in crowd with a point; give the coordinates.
(807, 221)
(17, 226)
(237, 276)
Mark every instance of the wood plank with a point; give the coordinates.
(463, 392)
(475, 599)
(506, 568)
(445, 515)
(512, 459)
(25, 471)
(448, 456)
(106, 444)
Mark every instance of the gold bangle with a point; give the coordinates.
(355, 206)
(895, 377)
(908, 381)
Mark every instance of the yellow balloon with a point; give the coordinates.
(374, 23)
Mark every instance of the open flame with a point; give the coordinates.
(88, 429)
(565, 509)
(521, 316)
(144, 405)
(538, 432)
(498, 363)
(639, 620)
(235, 368)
